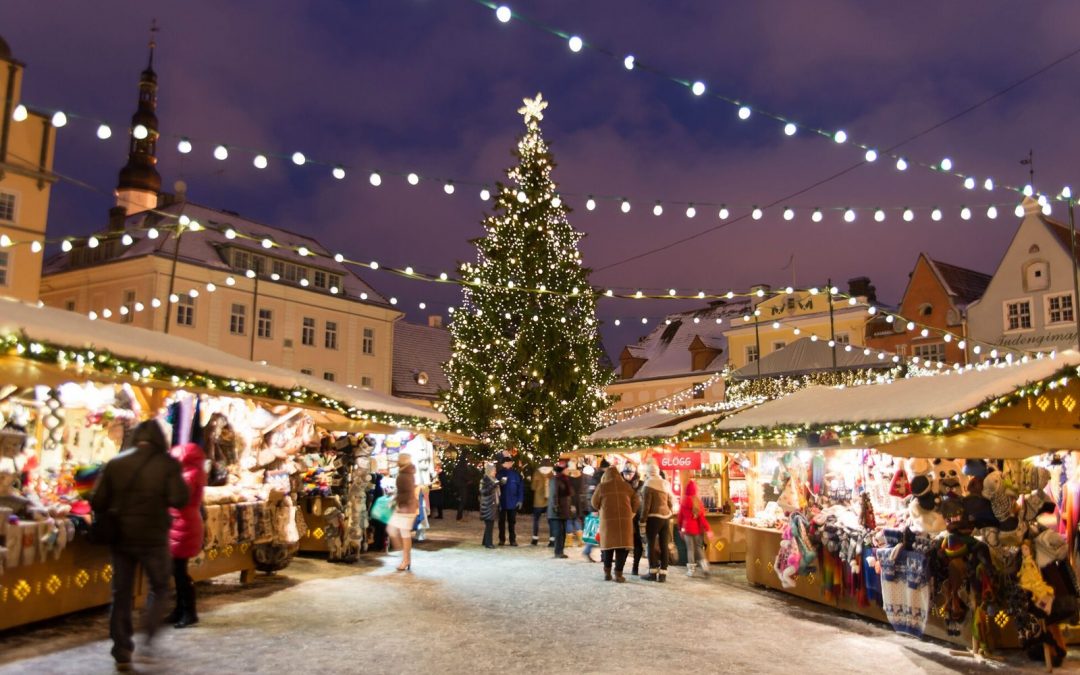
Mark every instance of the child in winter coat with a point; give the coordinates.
(694, 528)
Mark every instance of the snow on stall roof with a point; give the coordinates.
(75, 331)
(932, 397)
(663, 423)
(807, 356)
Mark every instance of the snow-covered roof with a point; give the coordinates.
(656, 424)
(667, 347)
(206, 247)
(934, 397)
(807, 356)
(420, 350)
(75, 331)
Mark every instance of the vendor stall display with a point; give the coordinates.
(924, 502)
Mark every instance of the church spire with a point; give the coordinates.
(140, 183)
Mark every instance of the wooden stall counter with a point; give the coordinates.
(762, 546)
(78, 579)
(729, 542)
(227, 559)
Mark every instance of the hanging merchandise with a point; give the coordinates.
(900, 486)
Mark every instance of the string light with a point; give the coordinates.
(104, 132)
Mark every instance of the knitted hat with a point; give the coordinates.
(920, 488)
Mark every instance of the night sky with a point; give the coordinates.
(432, 86)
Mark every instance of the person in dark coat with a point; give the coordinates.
(139, 485)
(460, 479)
(511, 496)
(378, 528)
(436, 491)
(489, 502)
(560, 498)
(186, 533)
(630, 475)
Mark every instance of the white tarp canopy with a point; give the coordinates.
(932, 397)
(656, 424)
(75, 331)
(807, 355)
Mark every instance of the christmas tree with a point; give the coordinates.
(525, 372)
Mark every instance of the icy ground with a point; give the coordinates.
(464, 609)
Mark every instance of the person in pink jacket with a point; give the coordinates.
(694, 528)
(186, 533)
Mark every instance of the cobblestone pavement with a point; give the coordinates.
(464, 609)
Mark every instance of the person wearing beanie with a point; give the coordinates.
(489, 502)
(656, 509)
(560, 496)
(407, 507)
(540, 480)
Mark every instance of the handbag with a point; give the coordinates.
(105, 528)
(382, 509)
(591, 531)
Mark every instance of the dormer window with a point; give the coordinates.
(926, 309)
(1037, 276)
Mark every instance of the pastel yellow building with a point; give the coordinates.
(779, 320)
(27, 143)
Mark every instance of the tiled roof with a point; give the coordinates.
(206, 246)
(1064, 235)
(966, 286)
(420, 349)
(667, 347)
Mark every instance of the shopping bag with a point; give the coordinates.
(382, 509)
(591, 532)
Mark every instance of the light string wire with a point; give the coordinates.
(791, 126)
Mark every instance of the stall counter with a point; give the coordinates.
(729, 542)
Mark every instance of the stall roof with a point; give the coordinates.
(652, 425)
(808, 356)
(932, 397)
(74, 331)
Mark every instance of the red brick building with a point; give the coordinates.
(937, 295)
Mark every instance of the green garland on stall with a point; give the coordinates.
(105, 362)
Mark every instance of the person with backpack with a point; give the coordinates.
(694, 528)
(131, 503)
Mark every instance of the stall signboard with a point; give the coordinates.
(680, 461)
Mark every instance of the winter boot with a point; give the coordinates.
(187, 619)
(607, 573)
(551, 542)
(705, 567)
(535, 541)
(652, 575)
(569, 541)
(690, 570)
(619, 578)
(579, 538)
(634, 569)
(173, 616)
(662, 576)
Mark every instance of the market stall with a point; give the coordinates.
(70, 388)
(908, 502)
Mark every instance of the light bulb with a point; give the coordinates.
(448, 188)
(230, 233)
(267, 243)
(1028, 190)
(969, 183)
(140, 132)
(945, 165)
(412, 179)
(965, 213)
(503, 13)
(20, 113)
(373, 265)
(789, 213)
(840, 136)
(879, 215)
(221, 152)
(65, 245)
(522, 197)
(35, 246)
(1066, 192)
(625, 206)
(575, 43)
(5, 241)
(303, 251)
(849, 216)
(92, 242)
(757, 213)
(260, 161)
(790, 129)
(691, 211)
(744, 112)
(590, 204)
(485, 194)
(104, 132)
(152, 233)
(698, 88)
(184, 146)
(375, 179)
(1019, 211)
(657, 209)
(909, 215)
(988, 184)
(935, 214)
(816, 216)
(871, 155)
(59, 119)
(338, 172)
(724, 213)
(901, 164)
(991, 212)
(628, 62)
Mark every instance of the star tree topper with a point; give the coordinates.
(533, 108)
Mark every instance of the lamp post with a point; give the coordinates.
(1075, 273)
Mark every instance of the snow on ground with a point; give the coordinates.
(464, 609)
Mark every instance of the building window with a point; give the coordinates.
(369, 341)
(842, 339)
(328, 376)
(242, 260)
(1018, 315)
(1059, 308)
(7, 206)
(307, 332)
(70, 305)
(929, 352)
(258, 263)
(331, 335)
(295, 273)
(751, 353)
(129, 305)
(699, 390)
(335, 281)
(926, 309)
(238, 320)
(320, 279)
(365, 382)
(778, 345)
(306, 371)
(5, 267)
(265, 328)
(185, 311)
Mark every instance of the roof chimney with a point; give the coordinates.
(117, 218)
(861, 287)
(434, 321)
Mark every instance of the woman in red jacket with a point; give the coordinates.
(186, 533)
(694, 528)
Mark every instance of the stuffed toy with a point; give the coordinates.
(922, 508)
(948, 476)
